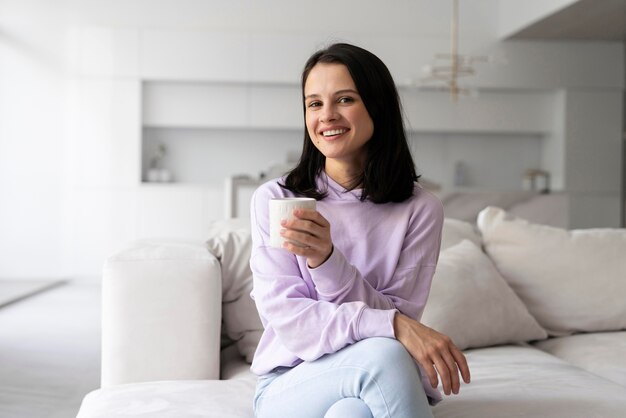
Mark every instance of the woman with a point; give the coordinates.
(341, 313)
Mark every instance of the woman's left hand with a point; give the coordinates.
(435, 352)
(312, 231)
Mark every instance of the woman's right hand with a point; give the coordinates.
(435, 352)
(312, 231)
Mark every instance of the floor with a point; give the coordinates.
(50, 352)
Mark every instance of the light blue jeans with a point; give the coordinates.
(374, 378)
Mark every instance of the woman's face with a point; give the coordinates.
(336, 117)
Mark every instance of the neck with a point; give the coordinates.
(344, 174)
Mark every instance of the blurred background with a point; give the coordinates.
(130, 119)
(125, 119)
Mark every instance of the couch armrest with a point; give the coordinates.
(161, 313)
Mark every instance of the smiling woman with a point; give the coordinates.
(341, 312)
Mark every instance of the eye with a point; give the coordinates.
(314, 104)
(346, 99)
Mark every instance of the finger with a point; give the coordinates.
(430, 372)
(444, 374)
(303, 226)
(303, 238)
(461, 361)
(454, 372)
(311, 215)
(296, 249)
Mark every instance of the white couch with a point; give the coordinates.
(539, 311)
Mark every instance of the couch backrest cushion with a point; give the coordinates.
(231, 243)
(471, 303)
(466, 205)
(455, 231)
(571, 281)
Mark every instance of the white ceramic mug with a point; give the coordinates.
(282, 208)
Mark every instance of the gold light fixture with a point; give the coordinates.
(454, 65)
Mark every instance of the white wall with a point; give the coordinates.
(593, 131)
(436, 156)
(32, 149)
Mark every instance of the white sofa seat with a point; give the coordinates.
(172, 399)
(518, 381)
(601, 353)
(230, 397)
(523, 381)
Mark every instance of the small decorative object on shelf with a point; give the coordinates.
(536, 179)
(156, 173)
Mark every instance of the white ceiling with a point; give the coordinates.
(598, 20)
(421, 18)
(481, 21)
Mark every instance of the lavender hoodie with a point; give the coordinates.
(383, 261)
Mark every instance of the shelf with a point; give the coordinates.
(210, 155)
(212, 105)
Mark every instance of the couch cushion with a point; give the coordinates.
(231, 243)
(522, 381)
(471, 303)
(455, 231)
(602, 353)
(571, 281)
(172, 399)
(466, 205)
(234, 366)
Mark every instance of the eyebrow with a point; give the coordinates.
(336, 93)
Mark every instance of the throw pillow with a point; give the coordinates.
(231, 243)
(472, 304)
(571, 281)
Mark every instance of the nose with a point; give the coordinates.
(328, 114)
